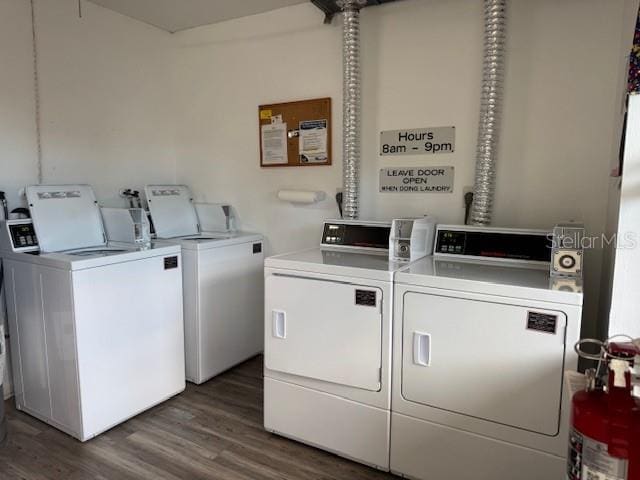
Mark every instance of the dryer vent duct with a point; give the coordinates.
(333, 7)
(351, 102)
(351, 121)
(490, 111)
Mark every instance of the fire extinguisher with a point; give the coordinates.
(604, 440)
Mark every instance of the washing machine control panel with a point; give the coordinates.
(368, 235)
(490, 243)
(22, 235)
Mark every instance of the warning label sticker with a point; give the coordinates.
(589, 459)
(542, 322)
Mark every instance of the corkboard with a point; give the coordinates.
(293, 113)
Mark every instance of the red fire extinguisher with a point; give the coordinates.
(604, 441)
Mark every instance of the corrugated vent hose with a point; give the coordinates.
(351, 106)
(490, 111)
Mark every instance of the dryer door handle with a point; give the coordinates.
(422, 349)
(279, 319)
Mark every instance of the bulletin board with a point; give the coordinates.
(295, 134)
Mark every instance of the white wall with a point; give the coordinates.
(222, 74)
(421, 62)
(18, 157)
(106, 114)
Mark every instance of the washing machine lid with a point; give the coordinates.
(172, 210)
(65, 217)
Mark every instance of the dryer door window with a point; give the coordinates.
(324, 330)
(492, 361)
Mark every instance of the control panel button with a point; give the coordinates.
(22, 235)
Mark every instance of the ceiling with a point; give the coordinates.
(175, 15)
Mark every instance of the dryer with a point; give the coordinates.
(223, 283)
(328, 342)
(482, 337)
(96, 328)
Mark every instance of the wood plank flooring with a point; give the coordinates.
(211, 431)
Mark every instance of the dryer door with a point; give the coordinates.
(493, 361)
(330, 331)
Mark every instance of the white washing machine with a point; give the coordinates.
(482, 337)
(328, 342)
(96, 329)
(223, 284)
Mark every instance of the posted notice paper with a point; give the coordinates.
(313, 141)
(274, 144)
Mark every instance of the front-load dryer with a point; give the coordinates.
(480, 348)
(223, 284)
(328, 342)
(96, 329)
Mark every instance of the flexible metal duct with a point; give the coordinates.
(490, 110)
(351, 106)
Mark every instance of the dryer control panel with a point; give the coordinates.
(356, 234)
(21, 235)
(507, 244)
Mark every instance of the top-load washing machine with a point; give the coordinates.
(96, 329)
(223, 284)
(328, 342)
(482, 336)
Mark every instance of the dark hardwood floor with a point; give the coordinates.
(211, 431)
